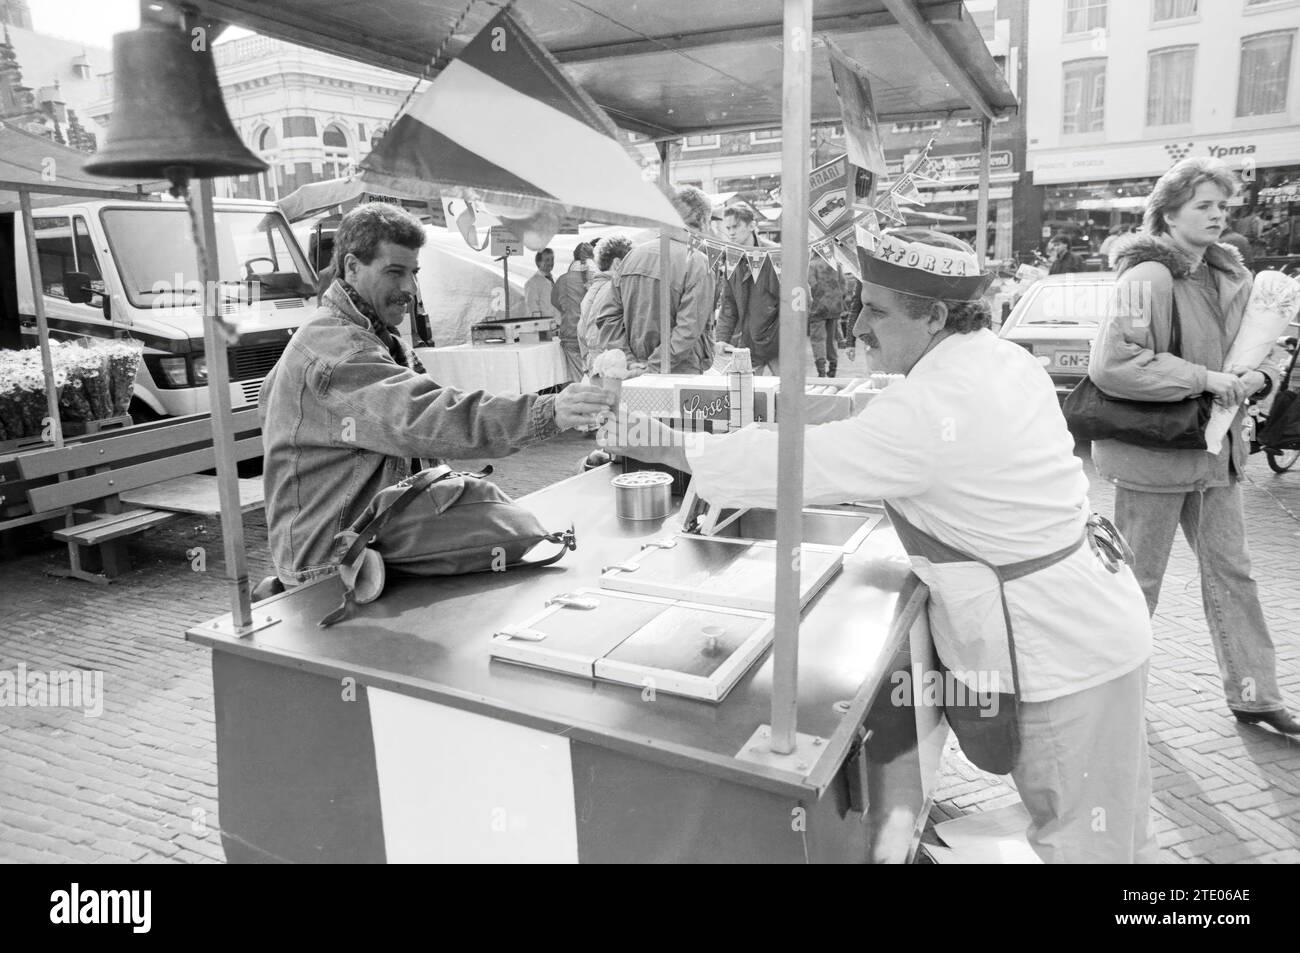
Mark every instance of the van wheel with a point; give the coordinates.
(142, 413)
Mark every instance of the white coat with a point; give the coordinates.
(972, 448)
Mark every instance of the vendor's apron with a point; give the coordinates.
(970, 625)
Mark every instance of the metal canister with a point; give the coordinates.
(644, 495)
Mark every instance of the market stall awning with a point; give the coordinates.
(652, 76)
(316, 197)
(54, 173)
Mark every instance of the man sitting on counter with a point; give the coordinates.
(344, 411)
(974, 460)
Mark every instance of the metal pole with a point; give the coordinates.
(796, 111)
(42, 326)
(666, 272)
(505, 278)
(982, 210)
(223, 435)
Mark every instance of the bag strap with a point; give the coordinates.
(417, 485)
(1175, 326)
(568, 541)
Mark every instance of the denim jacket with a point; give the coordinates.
(341, 420)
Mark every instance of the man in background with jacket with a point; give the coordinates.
(629, 317)
(750, 315)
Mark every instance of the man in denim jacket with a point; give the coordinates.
(346, 408)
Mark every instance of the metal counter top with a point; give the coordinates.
(429, 638)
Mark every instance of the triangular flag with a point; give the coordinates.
(905, 190)
(733, 256)
(714, 253)
(756, 259)
(887, 208)
(464, 131)
(926, 170)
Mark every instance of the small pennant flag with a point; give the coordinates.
(755, 262)
(888, 208)
(503, 121)
(733, 256)
(926, 170)
(714, 253)
(905, 190)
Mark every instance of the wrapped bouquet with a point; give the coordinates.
(1271, 307)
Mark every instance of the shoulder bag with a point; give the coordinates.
(438, 522)
(1092, 414)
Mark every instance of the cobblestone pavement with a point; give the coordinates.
(138, 783)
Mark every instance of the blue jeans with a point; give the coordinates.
(1214, 525)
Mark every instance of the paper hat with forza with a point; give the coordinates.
(923, 262)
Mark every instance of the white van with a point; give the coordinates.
(128, 269)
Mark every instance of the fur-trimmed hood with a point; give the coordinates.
(1140, 248)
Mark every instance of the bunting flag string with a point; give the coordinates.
(863, 229)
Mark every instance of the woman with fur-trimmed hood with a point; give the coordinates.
(1180, 261)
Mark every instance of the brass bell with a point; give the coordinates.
(169, 118)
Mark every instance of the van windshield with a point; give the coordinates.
(155, 255)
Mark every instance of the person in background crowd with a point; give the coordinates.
(1009, 490)
(566, 297)
(849, 316)
(827, 294)
(610, 253)
(538, 288)
(1180, 265)
(629, 317)
(1238, 241)
(1116, 236)
(1063, 261)
(1250, 225)
(346, 407)
(750, 312)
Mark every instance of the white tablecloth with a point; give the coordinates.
(496, 368)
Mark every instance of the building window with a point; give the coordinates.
(266, 141)
(1265, 70)
(920, 125)
(1169, 85)
(1173, 9)
(338, 158)
(299, 127)
(1084, 105)
(700, 142)
(1084, 16)
(765, 135)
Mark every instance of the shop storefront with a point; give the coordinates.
(951, 204)
(1087, 192)
(1277, 199)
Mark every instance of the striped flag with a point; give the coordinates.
(504, 124)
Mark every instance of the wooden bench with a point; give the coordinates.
(66, 481)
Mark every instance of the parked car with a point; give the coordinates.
(1056, 320)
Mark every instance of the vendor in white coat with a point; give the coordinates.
(973, 456)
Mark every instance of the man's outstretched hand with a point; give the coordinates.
(579, 405)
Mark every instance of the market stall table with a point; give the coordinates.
(393, 735)
(497, 368)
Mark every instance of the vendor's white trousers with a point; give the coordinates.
(1085, 775)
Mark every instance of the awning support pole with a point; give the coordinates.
(223, 436)
(982, 209)
(796, 112)
(666, 271)
(42, 326)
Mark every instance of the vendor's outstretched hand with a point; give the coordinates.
(641, 437)
(579, 405)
